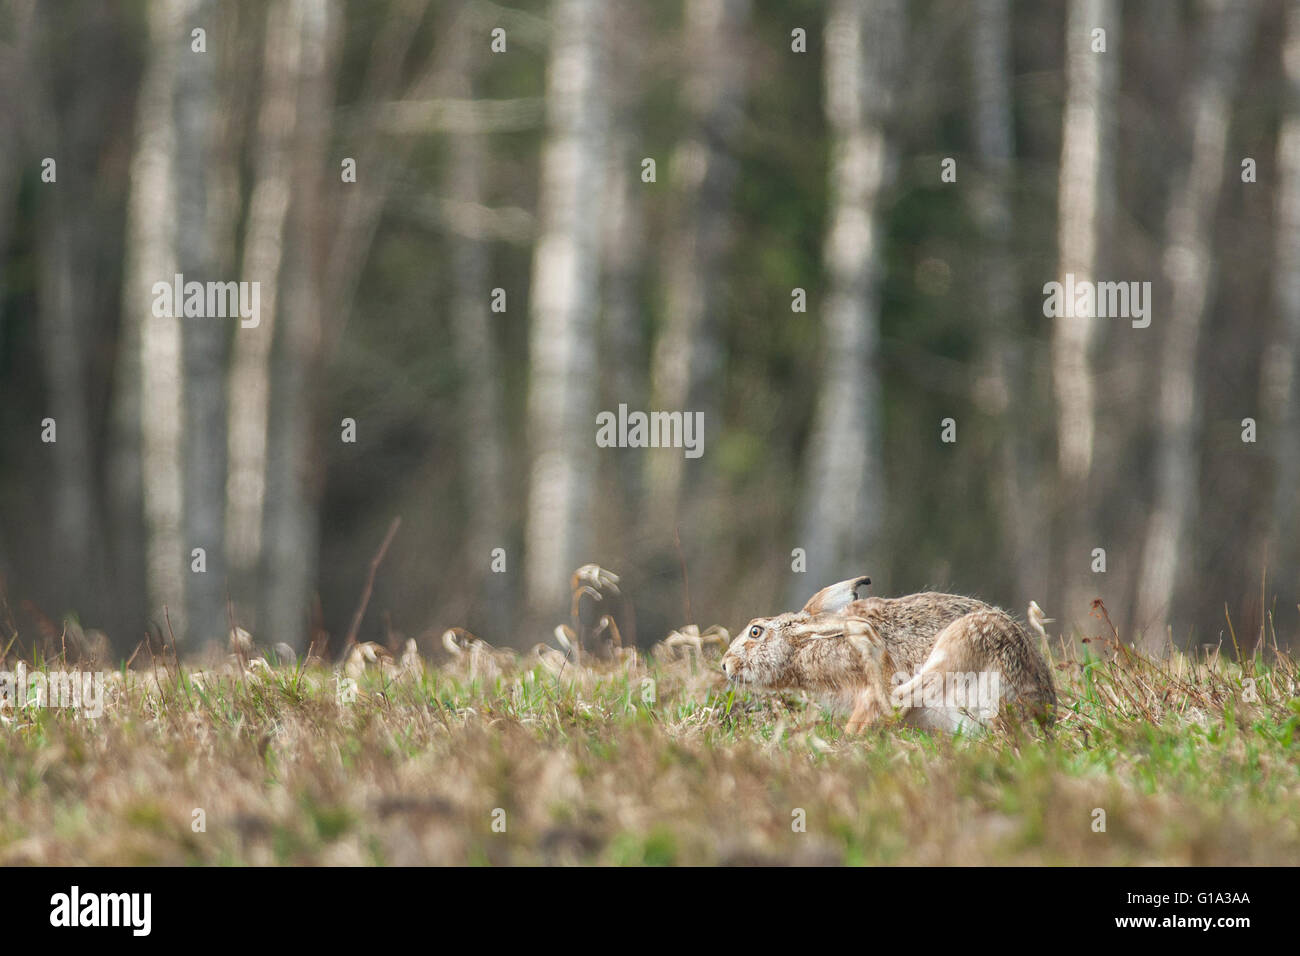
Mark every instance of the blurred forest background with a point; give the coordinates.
(499, 155)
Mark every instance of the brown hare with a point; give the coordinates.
(935, 661)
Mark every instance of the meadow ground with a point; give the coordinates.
(1192, 761)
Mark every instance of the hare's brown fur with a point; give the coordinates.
(881, 655)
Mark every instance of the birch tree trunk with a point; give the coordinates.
(150, 258)
(1086, 179)
(264, 238)
(1004, 387)
(841, 517)
(1188, 267)
(688, 358)
(263, 467)
(1090, 98)
(291, 534)
(563, 383)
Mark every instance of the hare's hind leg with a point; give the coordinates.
(958, 686)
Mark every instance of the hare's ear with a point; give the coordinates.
(836, 597)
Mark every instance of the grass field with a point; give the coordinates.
(1192, 762)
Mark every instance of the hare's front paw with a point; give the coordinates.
(868, 709)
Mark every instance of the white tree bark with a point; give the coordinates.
(150, 258)
(250, 371)
(1085, 175)
(1188, 267)
(1085, 185)
(563, 381)
(844, 498)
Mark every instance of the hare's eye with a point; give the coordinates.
(755, 631)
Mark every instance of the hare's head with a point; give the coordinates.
(807, 651)
(762, 653)
(774, 652)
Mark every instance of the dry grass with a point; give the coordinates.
(587, 767)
